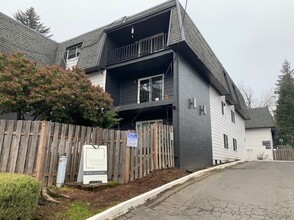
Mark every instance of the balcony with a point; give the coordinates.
(140, 48)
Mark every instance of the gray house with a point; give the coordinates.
(158, 68)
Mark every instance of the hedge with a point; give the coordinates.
(19, 196)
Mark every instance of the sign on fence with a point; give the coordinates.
(93, 164)
(132, 140)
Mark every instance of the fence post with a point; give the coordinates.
(42, 151)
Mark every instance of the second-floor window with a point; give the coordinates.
(150, 89)
(72, 56)
(223, 107)
(233, 117)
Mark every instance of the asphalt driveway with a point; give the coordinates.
(253, 190)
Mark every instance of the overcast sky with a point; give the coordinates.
(251, 38)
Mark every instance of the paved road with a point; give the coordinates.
(253, 190)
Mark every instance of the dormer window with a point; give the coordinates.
(73, 52)
(72, 55)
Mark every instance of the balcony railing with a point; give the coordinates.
(138, 49)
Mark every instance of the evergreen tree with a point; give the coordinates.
(31, 19)
(284, 114)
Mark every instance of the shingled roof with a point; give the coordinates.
(15, 36)
(183, 33)
(260, 118)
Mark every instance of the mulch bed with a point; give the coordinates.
(101, 198)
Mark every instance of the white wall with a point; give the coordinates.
(222, 124)
(254, 138)
(98, 78)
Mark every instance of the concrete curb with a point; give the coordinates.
(124, 207)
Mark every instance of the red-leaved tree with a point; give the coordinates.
(52, 93)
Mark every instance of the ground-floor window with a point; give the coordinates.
(226, 142)
(267, 144)
(142, 124)
(235, 144)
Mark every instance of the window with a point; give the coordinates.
(267, 144)
(143, 124)
(234, 144)
(233, 116)
(226, 142)
(150, 89)
(73, 52)
(223, 107)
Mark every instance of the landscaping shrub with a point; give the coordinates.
(18, 196)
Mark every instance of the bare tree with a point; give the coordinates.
(266, 99)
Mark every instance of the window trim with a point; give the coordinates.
(150, 77)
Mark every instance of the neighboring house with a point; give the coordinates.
(260, 132)
(158, 68)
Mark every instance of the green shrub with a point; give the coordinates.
(18, 196)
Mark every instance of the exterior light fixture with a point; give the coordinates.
(132, 31)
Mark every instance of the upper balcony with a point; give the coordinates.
(140, 48)
(137, 39)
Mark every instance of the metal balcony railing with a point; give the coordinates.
(138, 49)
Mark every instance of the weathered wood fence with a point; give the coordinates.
(283, 154)
(34, 147)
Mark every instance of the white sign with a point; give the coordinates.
(132, 140)
(93, 164)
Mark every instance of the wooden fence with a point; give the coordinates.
(34, 147)
(283, 154)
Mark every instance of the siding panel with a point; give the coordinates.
(222, 124)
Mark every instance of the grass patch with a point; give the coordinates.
(76, 211)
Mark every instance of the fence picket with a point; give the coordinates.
(6, 147)
(116, 158)
(110, 158)
(23, 146)
(2, 133)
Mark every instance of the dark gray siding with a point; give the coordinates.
(16, 37)
(194, 147)
(112, 87)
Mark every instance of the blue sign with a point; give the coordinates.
(132, 140)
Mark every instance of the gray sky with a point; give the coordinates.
(251, 38)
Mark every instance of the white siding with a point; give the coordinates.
(254, 138)
(71, 63)
(98, 78)
(222, 124)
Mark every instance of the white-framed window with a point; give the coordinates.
(151, 88)
(73, 51)
(235, 146)
(142, 124)
(226, 142)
